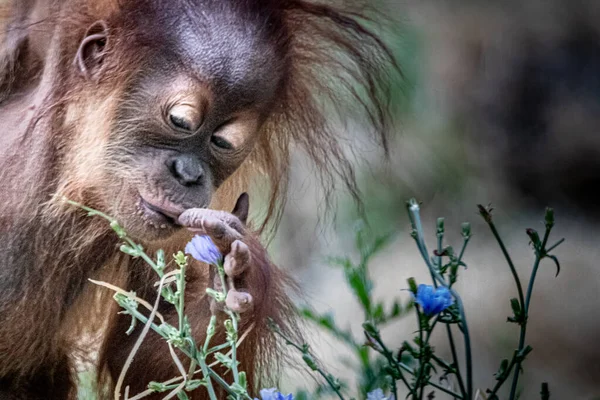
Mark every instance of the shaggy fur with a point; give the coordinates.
(65, 136)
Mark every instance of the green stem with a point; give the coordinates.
(234, 317)
(464, 247)
(318, 369)
(393, 364)
(504, 377)
(181, 300)
(207, 376)
(549, 249)
(418, 229)
(455, 360)
(432, 384)
(513, 270)
(540, 253)
(448, 328)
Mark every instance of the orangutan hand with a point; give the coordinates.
(229, 233)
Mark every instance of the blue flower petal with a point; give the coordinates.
(376, 394)
(273, 394)
(202, 248)
(433, 301)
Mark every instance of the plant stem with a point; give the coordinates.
(513, 270)
(539, 254)
(415, 218)
(448, 327)
(234, 317)
(318, 369)
(432, 384)
(504, 377)
(181, 299)
(393, 364)
(455, 360)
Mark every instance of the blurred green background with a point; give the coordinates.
(498, 103)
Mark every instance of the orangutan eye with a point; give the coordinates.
(221, 143)
(184, 117)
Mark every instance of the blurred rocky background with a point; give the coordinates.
(499, 103)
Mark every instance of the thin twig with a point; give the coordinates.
(141, 338)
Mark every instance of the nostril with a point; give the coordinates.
(187, 170)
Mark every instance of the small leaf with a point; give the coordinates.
(535, 238)
(243, 380)
(129, 250)
(412, 285)
(502, 370)
(516, 307)
(396, 310)
(555, 259)
(195, 384)
(379, 313)
(310, 361)
(371, 329)
(181, 395)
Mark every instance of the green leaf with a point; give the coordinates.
(535, 238)
(239, 389)
(243, 380)
(555, 259)
(157, 387)
(379, 313)
(371, 329)
(502, 370)
(517, 313)
(310, 361)
(412, 285)
(195, 384)
(224, 360)
(396, 309)
(133, 252)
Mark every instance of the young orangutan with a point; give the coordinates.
(158, 113)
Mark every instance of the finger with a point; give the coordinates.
(239, 301)
(194, 218)
(222, 235)
(238, 259)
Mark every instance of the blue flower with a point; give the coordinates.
(202, 248)
(433, 301)
(376, 394)
(273, 394)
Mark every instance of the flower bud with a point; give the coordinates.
(370, 329)
(440, 226)
(549, 218)
(466, 230)
(413, 205)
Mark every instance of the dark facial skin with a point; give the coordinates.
(189, 119)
